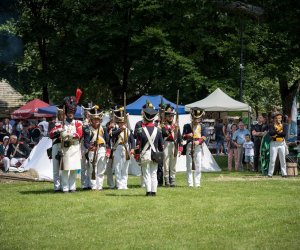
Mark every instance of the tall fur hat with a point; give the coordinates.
(70, 104)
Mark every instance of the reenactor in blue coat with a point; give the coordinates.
(149, 141)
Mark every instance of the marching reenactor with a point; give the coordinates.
(137, 130)
(123, 147)
(70, 155)
(54, 134)
(98, 144)
(194, 134)
(149, 141)
(172, 145)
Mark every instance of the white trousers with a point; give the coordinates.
(277, 148)
(120, 165)
(198, 162)
(169, 160)
(99, 169)
(55, 163)
(149, 171)
(6, 163)
(68, 180)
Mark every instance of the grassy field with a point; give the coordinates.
(229, 211)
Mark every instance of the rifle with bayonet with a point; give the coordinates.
(176, 127)
(193, 147)
(162, 112)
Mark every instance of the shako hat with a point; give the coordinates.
(148, 105)
(149, 114)
(95, 112)
(169, 110)
(197, 113)
(119, 114)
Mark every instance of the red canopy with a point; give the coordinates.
(29, 110)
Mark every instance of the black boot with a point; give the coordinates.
(172, 182)
(167, 183)
(153, 193)
(148, 194)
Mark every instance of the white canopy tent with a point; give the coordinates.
(219, 101)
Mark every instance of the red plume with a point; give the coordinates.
(78, 95)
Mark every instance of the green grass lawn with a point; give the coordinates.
(229, 211)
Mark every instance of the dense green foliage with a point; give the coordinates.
(143, 46)
(229, 211)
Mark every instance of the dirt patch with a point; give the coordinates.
(7, 177)
(245, 178)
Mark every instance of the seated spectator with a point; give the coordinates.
(16, 155)
(3, 132)
(3, 149)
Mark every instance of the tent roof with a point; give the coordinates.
(135, 108)
(30, 110)
(219, 101)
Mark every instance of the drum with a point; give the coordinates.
(291, 168)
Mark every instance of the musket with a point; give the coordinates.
(62, 141)
(95, 156)
(193, 147)
(162, 112)
(127, 155)
(176, 127)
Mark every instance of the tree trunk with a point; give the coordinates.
(287, 94)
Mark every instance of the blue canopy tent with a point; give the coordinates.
(135, 108)
(53, 111)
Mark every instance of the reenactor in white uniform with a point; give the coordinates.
(98, 144)
(123, 146)
(70, 155)
(194, 133)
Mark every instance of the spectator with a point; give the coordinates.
(258, 131)
(3, 132)
(239, 139)
(7, 126)
(16, 154)
(43, 125)
(3, 149)
(249, 152)
(232, 149)
(220, 136)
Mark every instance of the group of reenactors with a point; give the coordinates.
(94, 149)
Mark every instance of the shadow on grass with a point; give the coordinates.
(125, 195)
(44, 191)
